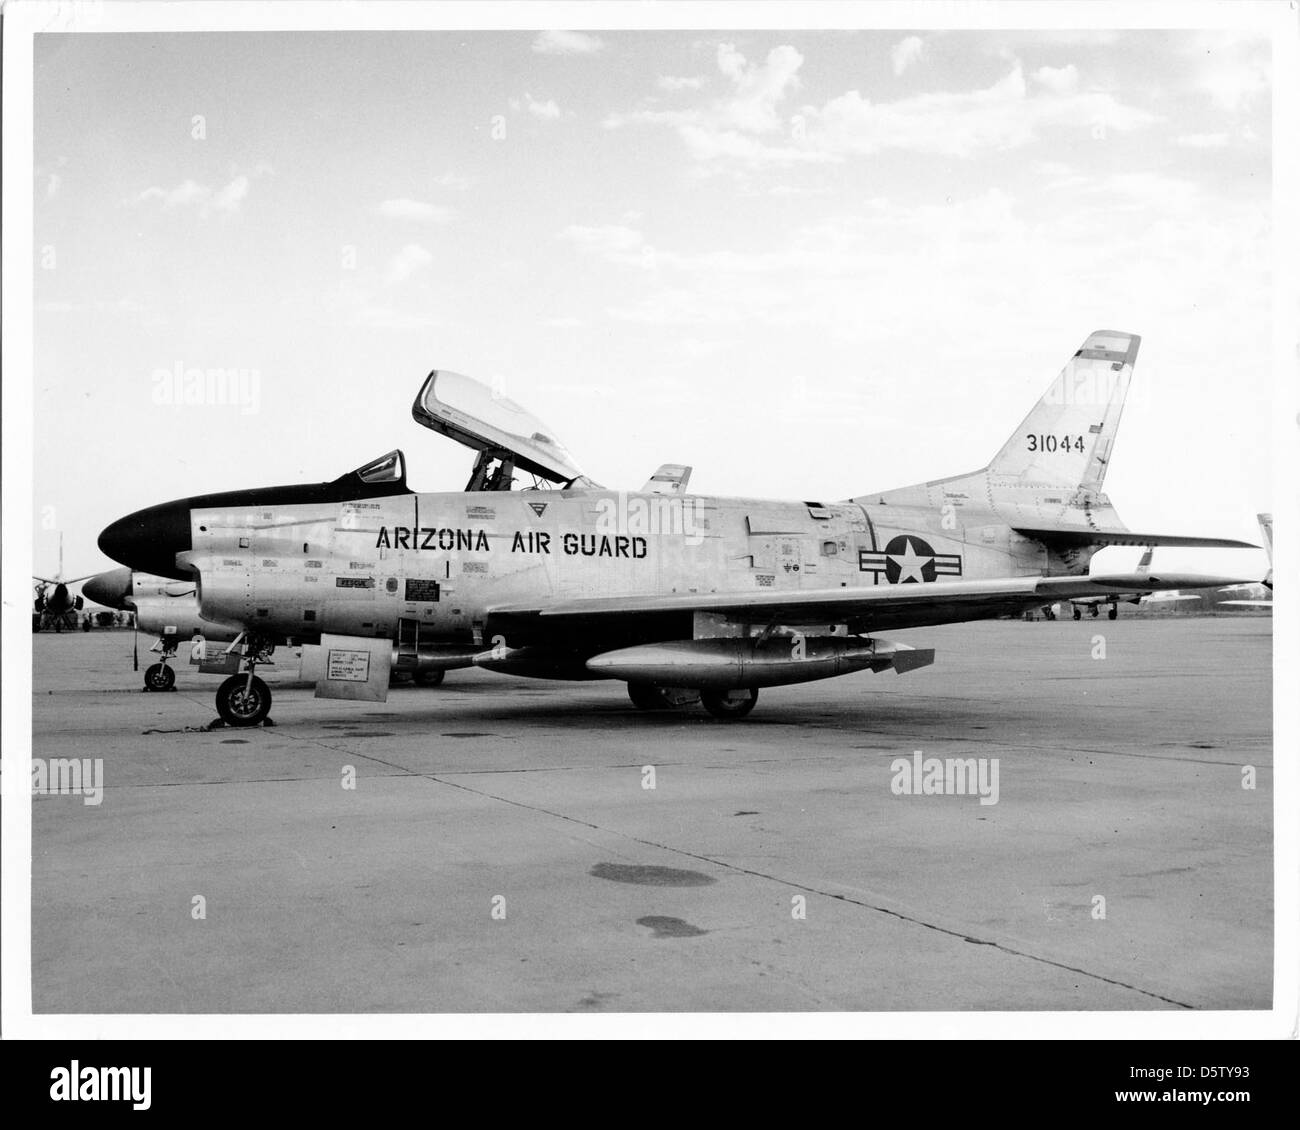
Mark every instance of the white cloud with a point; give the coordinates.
(906, 52)
(190, 193)
(418, 210)
(548, 111)
(743, 126)
(408, 261)
(230, 197)
(1234, 84)
(758, 86)
(1202, 140)
(385, 318)
(611, 241)
(453, 181)
(675, 82)
(567, 43)
(1059, 80)
(187, 192)
(727, 127)
(1002, 116)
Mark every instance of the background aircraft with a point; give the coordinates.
(1257, 595)
(672, 593)
(162, 606)
(53, 605)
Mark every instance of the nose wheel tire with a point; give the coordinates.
(1113, 614)
(429, 678)
(159, 677)
(1078, 614)
(243, 702)
(729, 704)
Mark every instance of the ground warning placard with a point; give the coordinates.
(348, 666)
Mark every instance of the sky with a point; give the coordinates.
(809, 264)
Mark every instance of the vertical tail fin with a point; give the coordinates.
(1266, 528)
(1056, 461)
(1065, 442)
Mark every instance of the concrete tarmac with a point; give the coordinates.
(500, 850)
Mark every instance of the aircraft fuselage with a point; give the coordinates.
(359, 567)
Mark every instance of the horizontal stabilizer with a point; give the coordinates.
(1142, 582)
(1070, 537)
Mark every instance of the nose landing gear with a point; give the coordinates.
(158, 676)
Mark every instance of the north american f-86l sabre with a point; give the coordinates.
(683, 597)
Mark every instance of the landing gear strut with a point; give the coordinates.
(244, 699)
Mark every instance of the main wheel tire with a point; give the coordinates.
(242, 704)
(429, 678)
(644, 696)
(729, 704)
(1113, 614)
(159, 677)
(1078, 613)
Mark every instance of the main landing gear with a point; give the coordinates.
(727, 705)
(730, 705)
(244, 699)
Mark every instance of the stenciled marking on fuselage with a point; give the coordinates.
(447, 539)
(432, 537)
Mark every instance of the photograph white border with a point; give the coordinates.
(25, 19)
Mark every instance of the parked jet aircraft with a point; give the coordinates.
(1260, 594)
(164, 607)
(677, 595)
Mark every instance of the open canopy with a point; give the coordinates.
(471, 413)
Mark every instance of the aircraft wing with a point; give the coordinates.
(875, 608)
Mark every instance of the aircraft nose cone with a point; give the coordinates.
(111, 589)
(149, 540)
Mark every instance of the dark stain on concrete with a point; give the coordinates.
(651, 876)
(468, 734)
(235, 741)
(670, 927)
